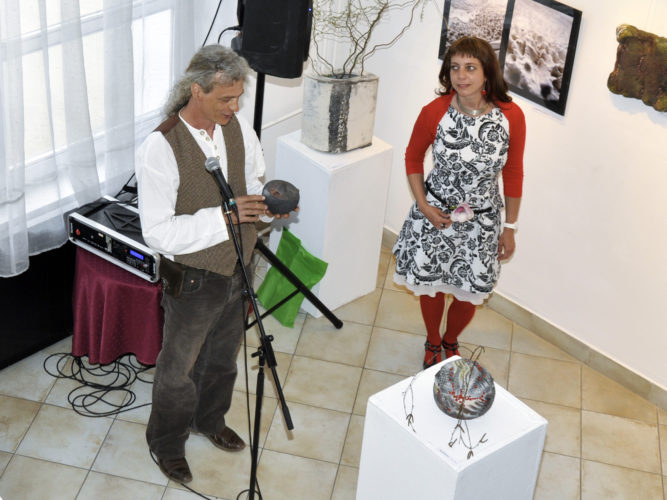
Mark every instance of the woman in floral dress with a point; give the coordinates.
(454, 236)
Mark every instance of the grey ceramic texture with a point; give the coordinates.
(281, 196)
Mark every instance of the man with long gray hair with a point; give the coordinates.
(182, 218)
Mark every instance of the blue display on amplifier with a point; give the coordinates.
(136, 254)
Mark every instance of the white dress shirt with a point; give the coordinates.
(158, 181)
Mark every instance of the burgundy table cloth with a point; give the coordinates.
(115, 312)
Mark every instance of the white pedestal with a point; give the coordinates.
(341, 215)
(398, 463)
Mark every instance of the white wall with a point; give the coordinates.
(592, 243)
(592, 256)
(591, 248)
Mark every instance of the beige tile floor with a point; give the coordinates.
(603, 442)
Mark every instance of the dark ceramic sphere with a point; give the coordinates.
(281, 196)
(464, 389)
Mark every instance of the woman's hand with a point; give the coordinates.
(437, 217)
(506, 244)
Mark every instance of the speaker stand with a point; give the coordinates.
(259, 104)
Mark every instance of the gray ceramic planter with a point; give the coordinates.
(338, 113)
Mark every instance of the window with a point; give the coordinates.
(81, 82)
(152, 41)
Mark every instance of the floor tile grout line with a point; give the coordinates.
(561, 405)
(377, 307)
(268, 379)
(660, 452)
(632, 419)
(42, 404)
(511, 352)
(363, 365)
(32, 421)
(581, 432)
(283, 384)
(92, 463)
(624, 467)
(509, 359)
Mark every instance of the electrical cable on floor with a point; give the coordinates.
(95, 387)
(182, 484)
(99, 385)
(249, 420)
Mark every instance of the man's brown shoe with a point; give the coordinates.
(176, 469)
(227, 440)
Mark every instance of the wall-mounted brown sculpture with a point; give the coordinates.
(641, 67)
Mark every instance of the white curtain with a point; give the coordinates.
(13, 232)
(70, 79)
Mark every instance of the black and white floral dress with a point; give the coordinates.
(468, 156)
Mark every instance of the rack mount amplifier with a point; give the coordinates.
(112, 230)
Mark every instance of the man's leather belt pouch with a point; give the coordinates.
(172, 275)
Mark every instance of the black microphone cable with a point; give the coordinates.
(212, 23)
(236, 28)
(98, 384)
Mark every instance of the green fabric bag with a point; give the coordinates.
(275, 287)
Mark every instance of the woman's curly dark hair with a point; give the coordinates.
(495, 86)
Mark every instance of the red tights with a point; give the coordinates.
(459, 315)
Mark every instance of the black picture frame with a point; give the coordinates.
(485, 19)
(537, 50)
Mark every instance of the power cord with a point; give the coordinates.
(182, 484)
(130, 190)
(249, 420)
(98, 384)
(96, 388)
(234, 28)
(212, 23)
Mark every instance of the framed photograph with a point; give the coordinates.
(537, 51)
(481, 18)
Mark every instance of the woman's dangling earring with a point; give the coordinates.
(484, 89)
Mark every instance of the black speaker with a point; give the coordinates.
(275, 35)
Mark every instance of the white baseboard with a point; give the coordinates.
(588, 355)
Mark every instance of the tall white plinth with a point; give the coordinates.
(341, 213)
(399, 463)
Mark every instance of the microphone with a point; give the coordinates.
(213, 167)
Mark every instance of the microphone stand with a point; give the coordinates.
(264, 353)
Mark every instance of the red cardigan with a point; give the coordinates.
(426, 127)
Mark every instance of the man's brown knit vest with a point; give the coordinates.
(197, 189)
